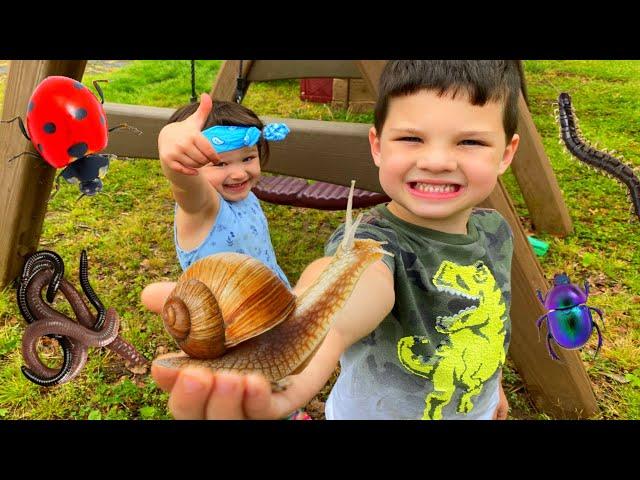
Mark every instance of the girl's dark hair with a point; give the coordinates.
(227, 113)
(482, 80)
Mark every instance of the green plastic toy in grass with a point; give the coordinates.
(539, 247)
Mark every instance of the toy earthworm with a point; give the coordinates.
(75, 338)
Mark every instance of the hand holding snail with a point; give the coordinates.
(229, 312)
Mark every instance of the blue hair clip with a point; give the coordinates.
(225, 138)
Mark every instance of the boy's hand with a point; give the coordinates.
(199, 394)
(181, 145)
(503, 407)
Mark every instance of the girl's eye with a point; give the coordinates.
(471, 142)
(248, 159)
(221, 164)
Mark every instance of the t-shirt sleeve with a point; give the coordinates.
(363, 231)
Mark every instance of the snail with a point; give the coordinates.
(230, 312)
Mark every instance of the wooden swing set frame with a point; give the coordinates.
(333, 152)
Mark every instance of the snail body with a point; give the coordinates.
(231, 312)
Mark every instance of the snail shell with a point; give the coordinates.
(223, 300)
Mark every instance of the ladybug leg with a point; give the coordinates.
(55, 192)
(539, 323)
(539, 293)
(99, 90)
(127, 127)
(599, 339)
(550, 348)
(21, 124)
(25, 153)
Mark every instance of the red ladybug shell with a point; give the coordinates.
(65, 121)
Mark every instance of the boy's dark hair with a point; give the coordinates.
(482, 80)
(227, 113)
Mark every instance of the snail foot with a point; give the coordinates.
(280, 385)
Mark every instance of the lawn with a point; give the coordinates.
(127, 231)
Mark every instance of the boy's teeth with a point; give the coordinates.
(431, 188)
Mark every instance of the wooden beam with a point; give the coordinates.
(319, 150)
(266, 70)
(224, 87)
(560, 389)
(25, 183)
(536, 179)
(371, 71)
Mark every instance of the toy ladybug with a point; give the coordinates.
(68, 127)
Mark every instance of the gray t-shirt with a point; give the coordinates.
(439, 353)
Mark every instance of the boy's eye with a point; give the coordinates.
(410, 139)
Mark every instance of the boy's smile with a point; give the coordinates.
(439, 156)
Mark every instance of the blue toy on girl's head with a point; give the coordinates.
(569, 318)
(232, 137)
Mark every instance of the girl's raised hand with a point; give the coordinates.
(181, 145)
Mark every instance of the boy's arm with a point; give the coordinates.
(199, 393)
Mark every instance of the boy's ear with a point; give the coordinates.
(509, 152)
(374, 142)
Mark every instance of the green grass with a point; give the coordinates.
(128, 234)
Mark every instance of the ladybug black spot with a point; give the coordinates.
(30, 107)
(78, 85)
(78, 150)
(80, 114)
(50, 127)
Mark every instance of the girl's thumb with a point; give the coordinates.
(203, 111)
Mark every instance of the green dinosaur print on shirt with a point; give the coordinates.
(474, 349)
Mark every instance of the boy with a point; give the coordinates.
(425, 332)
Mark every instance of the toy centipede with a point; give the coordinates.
(601, 160)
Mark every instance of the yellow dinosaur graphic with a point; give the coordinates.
(475, 346)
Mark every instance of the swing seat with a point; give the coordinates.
(296, 192)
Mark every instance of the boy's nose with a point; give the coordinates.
(436, 161)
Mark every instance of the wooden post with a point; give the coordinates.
(25, 183)
(536, 179)
(561, 389)
(224, 87)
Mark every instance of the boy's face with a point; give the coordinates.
(236, 174)
(438, 157)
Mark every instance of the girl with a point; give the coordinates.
(212, 153)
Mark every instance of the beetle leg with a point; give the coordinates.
(599, 339)
(539, 323)
(599, 312)
(539, 293)
(550, 348)
(586, 288)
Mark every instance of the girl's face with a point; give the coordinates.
(439, 156)
(236, 174)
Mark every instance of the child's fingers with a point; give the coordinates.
(258, 399)
(176, 166)
(190, 393)
(206, 149)
(163, 376)
(225, 401)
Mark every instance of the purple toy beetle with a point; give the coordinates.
(569, 318)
